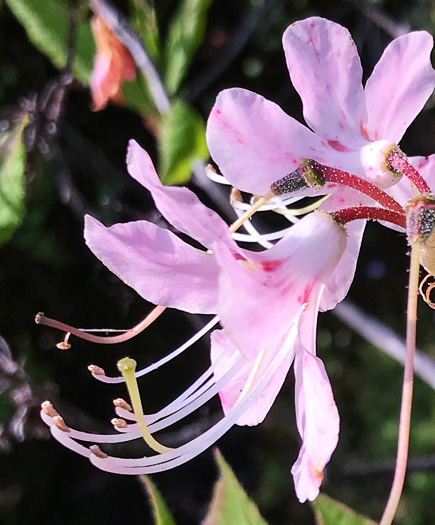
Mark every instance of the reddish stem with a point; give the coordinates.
(399, 163)
(370, 213)
(364, 186)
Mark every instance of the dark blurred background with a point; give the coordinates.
(47, 267)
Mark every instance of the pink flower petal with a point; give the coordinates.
(325, 69)
(399, 86)
(179, 206)
(254, 142)
(341, 278)
(157, 264)
(275, 285)
(318, 424)
(230, 393)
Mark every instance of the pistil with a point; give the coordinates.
(127, 367)
(311, 174)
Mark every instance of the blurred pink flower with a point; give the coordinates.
(267, 303)
(113, 65)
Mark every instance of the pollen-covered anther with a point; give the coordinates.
(59, 423)
(49, 409)
(96, 370)
(121, 403)
(119, 423)
(96, 450)
(291, 183)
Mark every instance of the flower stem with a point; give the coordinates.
(398, 162)
(369, 213)
(407, 388)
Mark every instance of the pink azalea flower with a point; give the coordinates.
(113, 65)
(267, 303)
(255, 143)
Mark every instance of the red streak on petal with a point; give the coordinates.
(271, 266)
(338, 146)
(364, 131)
(239, 257)
(304, 299)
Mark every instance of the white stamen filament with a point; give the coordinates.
(168, 460)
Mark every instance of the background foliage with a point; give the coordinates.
(45, 266)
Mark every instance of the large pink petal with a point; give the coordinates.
(230, 393)
(399, 87)
(254, 142)
(261, 294)
(318, 423)
(326, 71)
(341, 278)
(179, 206)
(157, 264)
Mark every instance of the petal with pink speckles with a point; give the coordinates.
(162, 268)
(326, 71)
(254, 142)
(399, 86)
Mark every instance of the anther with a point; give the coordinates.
(49, 409)
(119, 423)
(59, 423)
(64, 345)
(96, 451)
(121, 403)
(96, 370)
(235, 197)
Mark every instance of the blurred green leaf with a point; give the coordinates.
(46, 24)
(182, 143)
(328, 511)
(230, 505)
(162, 515)
(12, 181)
(144, 21)
(186, 34)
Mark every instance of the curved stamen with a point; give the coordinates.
(109, 340)
(120, 379)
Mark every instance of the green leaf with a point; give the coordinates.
(230, 505)
(161, 513)
(182, 143)
(328, 511)
(46, 24)
(12, 181)
(144, 21)
(186, 34)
